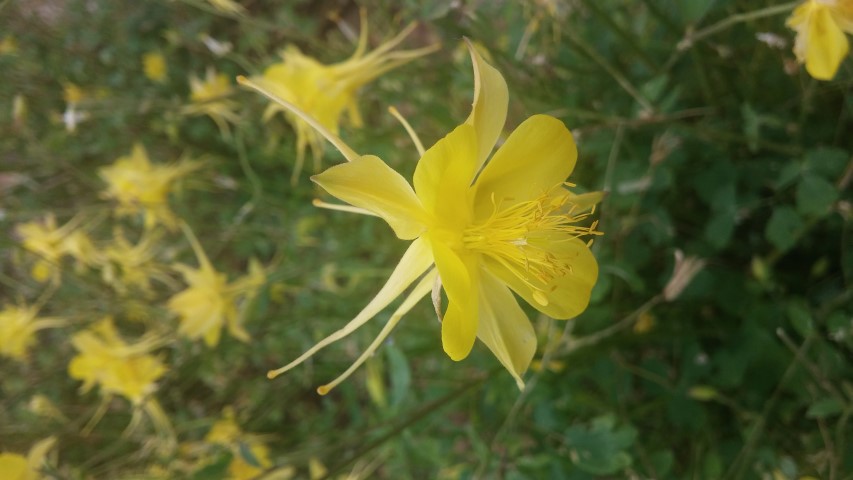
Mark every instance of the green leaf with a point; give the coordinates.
(399, 373)
(600, 449)
(801, 318)
(719, 229)
(783, 228)
(248, 456)
(827, 162)
(826, 407)
(815, 195)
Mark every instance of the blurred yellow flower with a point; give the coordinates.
(210, 302)
(326, 91)
(8, 45)
(210, 97)
(226, 433)
(821, 43)
(14, 466)
(18, 326)
(481, 230)
(50, 243)
(105, 360)
(154, 66)
(125, 266)
(142, 187)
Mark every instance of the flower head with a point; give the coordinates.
(18, 467)
(154, 66)
(821, 43)
(142, 187)
(480, 229)
(210, 302)
(327, 91)
(18, 326)
(51, 243)
(227, 433)
(126, 266)
(210, 97)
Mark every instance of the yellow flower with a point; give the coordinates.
(50, 243)
(820, 27)
(18, 326)
(126, 266)
(209, 97)
(326, 91)
(8, 45)
(225, 432)
(154, 66)
(488, 228)
(17, 467)
(104, 359)
(210, 302)
(142, 187)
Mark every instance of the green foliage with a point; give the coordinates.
(705, 139)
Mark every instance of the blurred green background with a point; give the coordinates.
(721, 147)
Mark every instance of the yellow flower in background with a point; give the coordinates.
(14, 466)
(821, 43)
(51, 243)
(18, 326)
(210, 97)
(480, 229)
(8, 45)
(326, 91)
(154, 66)
(105, 360)
(125, 265)
(210, 302)
(226, 433)
(138, 186)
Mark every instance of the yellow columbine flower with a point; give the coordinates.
(820, 27)
(50, 243)
(142, 187)
(154, 66)
(126, 266)
(14, 466)
(18, 326)
(225, 432)
(210, 97)
(326, 91)
(488, 228)
(210, 302)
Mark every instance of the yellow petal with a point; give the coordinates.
(488, 112)
(445, 172)
(563, 297)
(459, 325)
(414, 263)
(367, 182)
(505, 328)
(538, 155)
(826, 45)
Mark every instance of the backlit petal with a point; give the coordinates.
(445, 172)
(505, 328)
(826, 45)
(459, 325)
(491, 98)
(566, 296)
(367, 182)
(538, 155)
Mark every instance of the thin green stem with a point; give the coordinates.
(574, 344)
(691, 37)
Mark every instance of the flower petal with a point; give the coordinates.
(491, 98)
(445, 172)
(826, 45)
(505, 328)
(367, 182)
(414, 263)
(565, 297)
(538, 155)
(459, 325)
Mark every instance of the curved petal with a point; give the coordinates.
(538, 155)
(445, 172)
(491, 98)
(563, 297)
(826, 45)
(459, 325)
(367, 182)
(505, 328)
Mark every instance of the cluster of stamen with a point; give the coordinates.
(518, 237)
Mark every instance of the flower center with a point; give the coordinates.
(525, 237)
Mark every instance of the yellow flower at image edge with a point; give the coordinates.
(14, 466)
(210, 302)
(326, 91)
(821, 43)
(51, 243)
(488, 228)
(18, 326)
